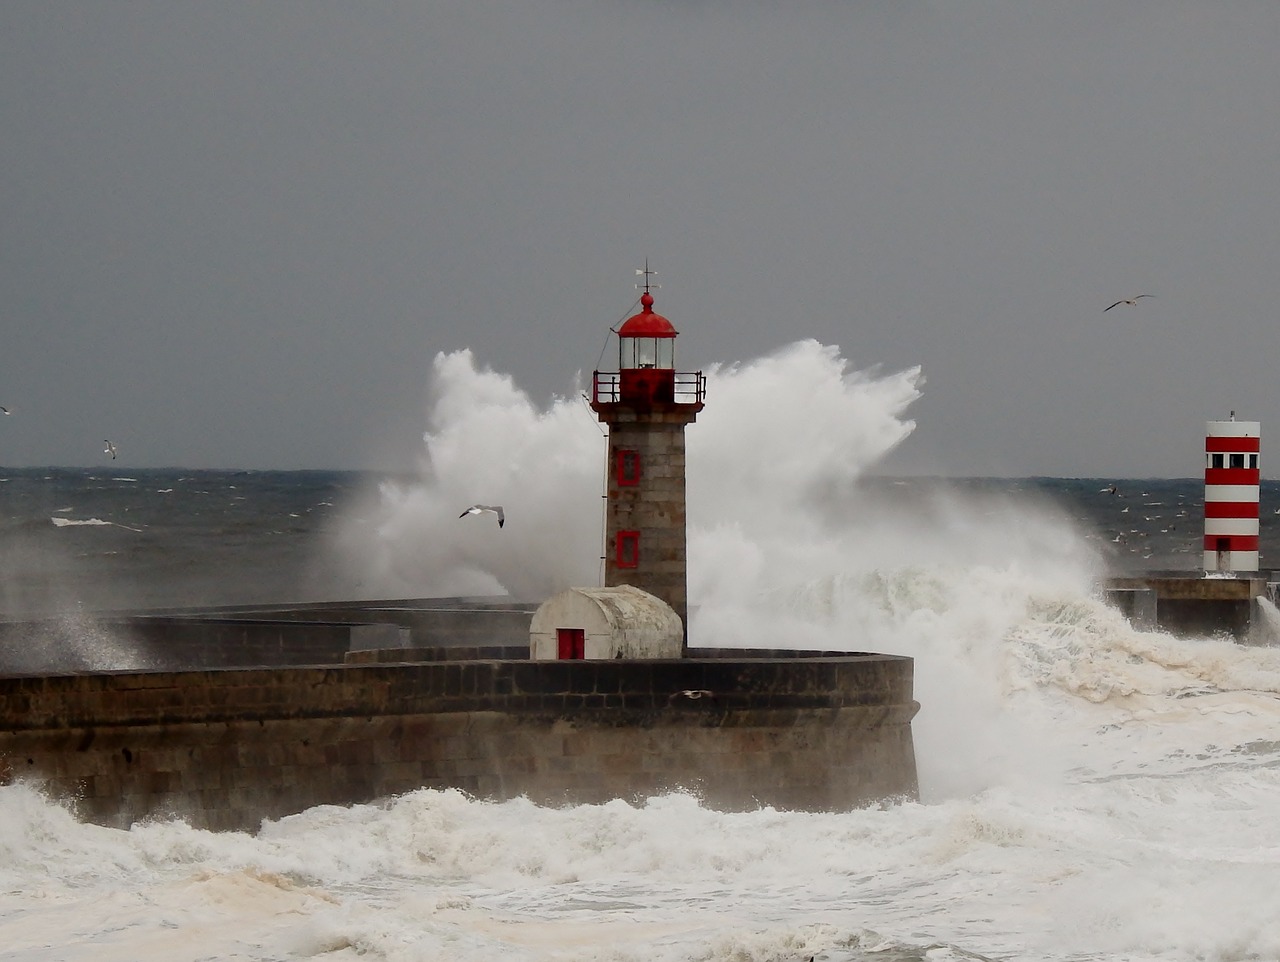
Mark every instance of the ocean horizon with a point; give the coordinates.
(116, 539)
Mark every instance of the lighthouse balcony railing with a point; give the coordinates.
(690, 387)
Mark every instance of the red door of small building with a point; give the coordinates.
(571, 642)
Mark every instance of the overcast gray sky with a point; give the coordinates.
(235, 234)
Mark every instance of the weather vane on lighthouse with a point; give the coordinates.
(647, 274)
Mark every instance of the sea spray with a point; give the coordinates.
(486, 442)
(786, 546)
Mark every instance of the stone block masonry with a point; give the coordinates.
(243, 637)
(226, 748)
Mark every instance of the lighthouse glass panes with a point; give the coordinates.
(643, 352)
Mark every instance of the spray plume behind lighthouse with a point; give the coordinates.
(785, 546)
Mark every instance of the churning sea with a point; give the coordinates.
(1088, 791)
(95, 539)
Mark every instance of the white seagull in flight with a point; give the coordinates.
(482, 508)
(109, 449)
(1127, 300)
(4, 410)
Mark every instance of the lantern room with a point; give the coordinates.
(647, 339)
(646, 357)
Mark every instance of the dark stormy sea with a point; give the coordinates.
(104, 540)
(116, 540)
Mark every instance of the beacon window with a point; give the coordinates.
(628, 549)
(1216, 461)
(1237, 460)
(1253, 461)
(628, 468)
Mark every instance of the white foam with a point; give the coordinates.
(89, 522)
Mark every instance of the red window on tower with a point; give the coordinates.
(628, 549)
(628, 468)
(571, 642)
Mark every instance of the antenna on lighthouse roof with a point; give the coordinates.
(647, 274)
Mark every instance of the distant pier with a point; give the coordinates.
(1197, 604)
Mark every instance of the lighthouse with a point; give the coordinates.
(646, 405)
(1231, 488)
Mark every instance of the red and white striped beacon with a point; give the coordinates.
(1231, 486)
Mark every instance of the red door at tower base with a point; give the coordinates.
(571, 642)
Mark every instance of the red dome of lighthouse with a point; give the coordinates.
(646, 323)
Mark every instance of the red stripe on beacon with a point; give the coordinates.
(1232, 480)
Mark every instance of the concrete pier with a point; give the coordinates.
(225, 747)
(1191, 604)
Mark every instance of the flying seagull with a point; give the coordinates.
(1127, 300)
(482, 508)
(4, 410)
(692, 694)
(109, 449)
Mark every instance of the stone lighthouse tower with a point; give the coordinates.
(647, 405)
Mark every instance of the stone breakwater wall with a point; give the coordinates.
(243, 637)
(1196, 605)
(226, 748)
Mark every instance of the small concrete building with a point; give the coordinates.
(621, 621)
